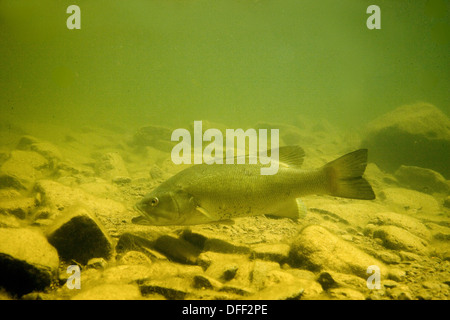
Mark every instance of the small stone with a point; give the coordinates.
(78, 235)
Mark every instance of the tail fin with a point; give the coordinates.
(345, 179)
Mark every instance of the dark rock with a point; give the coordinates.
(153, 136)
(278, 252)
(78, 235)
(173, 289)
(177, 249)
(27, 261)
(413, 135)
(205, 282)
(447, 202)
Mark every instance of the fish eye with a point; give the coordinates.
(154, 202)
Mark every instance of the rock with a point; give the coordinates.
(127, 274)
(396, 238)
(21, 207)
(130, 242)
(331, 279)
(408, 223)
(210, 241)
(22, 169)
(278, 252)
(422, 179)
(134, 258)
(46, 149)
(447, 202)
(345, 294)
(173, 288)
(234, 268)
(415, 135)
(316, 249)
(177, 249)
(110, 292)
(205, 282)
(27, 261)
(110, 166)
(78, 235)
(439, 232)
(97, 263)
(154, 136)
(409, 201)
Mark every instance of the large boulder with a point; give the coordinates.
(415, 135)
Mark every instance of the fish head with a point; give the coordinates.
(165, 207)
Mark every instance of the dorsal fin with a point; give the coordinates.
(292, 156)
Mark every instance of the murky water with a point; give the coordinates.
(86, 117)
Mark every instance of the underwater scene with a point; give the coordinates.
(224, 150)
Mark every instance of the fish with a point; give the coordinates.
(209, 193)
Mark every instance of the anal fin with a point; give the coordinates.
(292, 209)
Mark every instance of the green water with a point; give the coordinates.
(235, 62)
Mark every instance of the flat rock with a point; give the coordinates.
(403, 221)
(278, 252)
(316, 249)
(78, 235)
(413, 135)
(396, 238)
(422, 179)
(27, 261)
(409, 201)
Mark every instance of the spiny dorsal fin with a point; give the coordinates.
(292, 156)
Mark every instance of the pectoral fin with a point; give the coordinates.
(141, 220)
(206, 213)
(292, 209)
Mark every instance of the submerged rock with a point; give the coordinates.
(399, 239)
(110, 166)
(409, 201)
(27, 261)
(78, 235)
(22, 169)
(416, 135)
(422, 179)
(402, 221)
(316, 249)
